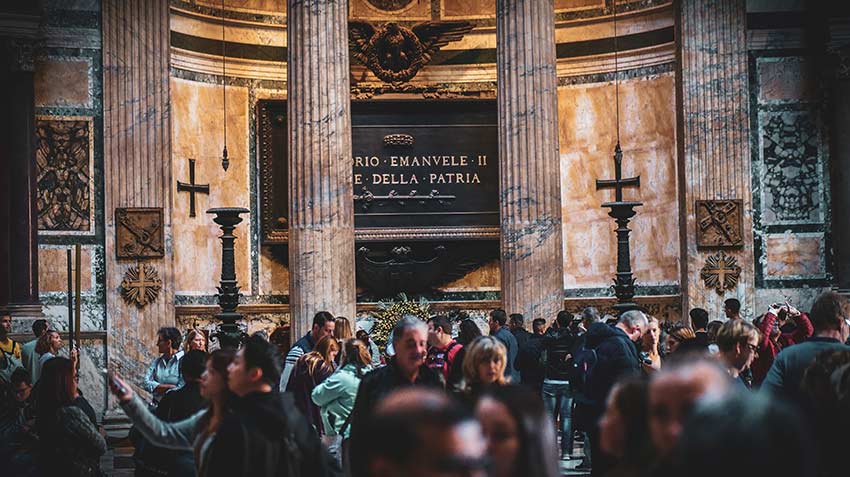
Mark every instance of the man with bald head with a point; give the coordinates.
(421, 432)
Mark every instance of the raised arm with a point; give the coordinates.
(178, 435)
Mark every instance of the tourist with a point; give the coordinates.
(418, 432)
(323, 325)
(442, 349)
(538, 326)
(829, 317)
(8, 345)
(8, 365)
(195, 433)
(672, 394)
(342, 329)
(557, 392)
(744, 435)
(18, 441)
(516, 324)
(499, 330)
(773, 339)
(520, 437)
(624, 428)
(650, 346)
(407, 368)
(29, 358)
(468, 330)
(825, 386)
(680, 339)
(163, 374)
(311, 370)
(699, 322)
(711, 334)
(374, 352)
(70, 443)
(483, 366)
(47, 347)
(738, 342)
(335, 396)
(616, 357)
(529, 354)
(176, 405)
(195, 340)
(732, 309)
(584, 413)
(265, 434)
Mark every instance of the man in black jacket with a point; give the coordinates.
(265, 435)
(557, 390)
(407, 368)
(616, 357)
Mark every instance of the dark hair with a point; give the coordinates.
(39, 327)
(712, 329)
(699, 318)
(517, 319)
(537, 453)
(499, 316)
(43, 344)
(733, 304)
(757, 430)
(564, 318)
(171, 334)
(442, 322)
(362, 335)
(219, 360)
(55, 390)
(192, 364)
(20, 375)
(828, 311)
(538, 322)
(322, 317)
(261, 354)
(631, 399)
(467, 331)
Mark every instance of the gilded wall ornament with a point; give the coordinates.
(138, 233)
(719, 223)
(394, 53)
(721, 272)
(141, 285)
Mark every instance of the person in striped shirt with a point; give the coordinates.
(323, 325)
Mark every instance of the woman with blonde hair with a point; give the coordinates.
(310, 371)
(195, 340)
(342, 329)
(483, 366)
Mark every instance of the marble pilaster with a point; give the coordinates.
(321, 209)
(136, 166)
(715, 138)
(840, 170)
(529, 162)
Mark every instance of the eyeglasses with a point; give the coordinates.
(753, 348)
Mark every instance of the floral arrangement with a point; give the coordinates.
(389, 312)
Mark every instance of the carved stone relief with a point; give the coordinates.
(141, 285)
(719, 223)
(138, 233)
(63, 170)
(721, 272)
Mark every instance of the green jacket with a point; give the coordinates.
(335, 398)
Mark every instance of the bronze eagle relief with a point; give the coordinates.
(395, 53)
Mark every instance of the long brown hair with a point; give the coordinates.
(43, 344)
(219, 359)
(342, 328)
(357, 353)
(320, 356)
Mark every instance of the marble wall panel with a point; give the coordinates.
(802, 298)
(587, 137)
(786, 79)
(468, 8)
(794, 255)
(62, 82)
(196, 110)
(274, 275)
(485, 278)
(53, 269)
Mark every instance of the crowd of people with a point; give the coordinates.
(628, 395)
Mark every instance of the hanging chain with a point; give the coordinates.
(616, 75)
(224, 161)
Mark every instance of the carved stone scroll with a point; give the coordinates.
(138, 233)
(719, 223)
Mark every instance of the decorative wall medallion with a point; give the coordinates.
(398, 140)
(791, 178)
(389, 5)
(138, 233)
(141, 285)
(63, 170)
(721, 272)
(395, 53)
(719, 223)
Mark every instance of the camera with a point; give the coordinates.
(645, 359)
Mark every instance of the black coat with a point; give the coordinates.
(616, 357)
(267, 436)
(558, 344)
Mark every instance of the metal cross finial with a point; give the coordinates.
(618, 183)
(192, 188)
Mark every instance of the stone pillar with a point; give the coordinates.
(137, 167)
(529, 163)
(321, 205)
(20, 264)
(714, 139)
(839, 94)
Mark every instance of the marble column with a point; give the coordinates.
(137, 167)
(839, 94)
(714, 138)
(20, 264)
(529, 168)
(321, 206)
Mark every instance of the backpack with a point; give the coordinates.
(442, 360)
(581, 372)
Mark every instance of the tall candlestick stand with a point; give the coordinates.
(228, 332)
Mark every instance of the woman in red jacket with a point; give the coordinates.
(774, 340)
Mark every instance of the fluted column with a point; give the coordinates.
(529, 170)
(321, 206)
